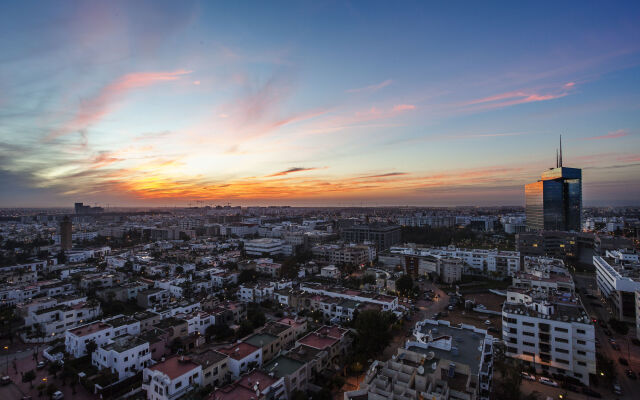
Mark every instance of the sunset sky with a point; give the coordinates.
(315, 103)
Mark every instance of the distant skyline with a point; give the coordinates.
(315, 103)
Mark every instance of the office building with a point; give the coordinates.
(555, 201)
(381, 235)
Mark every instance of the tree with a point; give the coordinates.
(404, 285)
(54, 367)
(246, 327)
(51, 389)
(246, 275)
(91, 347)
(29, 376)
(374, 332)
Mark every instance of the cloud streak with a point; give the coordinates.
(95, 108)
(611, 135)
(371, 88)
(290, 171)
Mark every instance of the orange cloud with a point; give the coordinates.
(94, 109)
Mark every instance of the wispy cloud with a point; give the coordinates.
(404, 107)
(95, 108)
(611, 135)
(290, 171)
(512, 98)
(371, 88)
(388, 174)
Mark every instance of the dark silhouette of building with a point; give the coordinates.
(382, 235)
(554, 203)
(80, 208)
(66, 241)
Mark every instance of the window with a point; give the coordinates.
(178, 384)
(582, 363)
(528, 323)
(581, 331)
(561, 340)
(578, 375)
(559, 350)
(561, 329)
(529, 344)
(562, 360)
(528, 333)
(582, 342)
(582, 353)
(528, 353)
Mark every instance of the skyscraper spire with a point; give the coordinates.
(557, 159)
(560, 159)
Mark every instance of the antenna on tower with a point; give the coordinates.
(557, 159)
(560, 151)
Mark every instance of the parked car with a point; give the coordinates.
(617, 389)
(623, 361)
(5, 380)
(487, 322)
(41, 365)
(547, 381)
(528, 376)
(630, 374)
(57, 396)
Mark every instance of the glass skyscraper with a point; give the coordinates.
(554, 203)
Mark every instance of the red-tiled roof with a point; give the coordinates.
(256, 377)
(175, 367)
(89, 329)
(239, 350)
(332, 331)
(317, 341)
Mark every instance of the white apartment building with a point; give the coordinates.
(198, 321)
(330, 271)
(388, 303)
(55, 320)
(266, 246)
(124, 356)
(257, 292)
(444, 363)
(549, 331)
(242, 356)
(172, 378)
(617, 281)
(266, 266)
(100, 332)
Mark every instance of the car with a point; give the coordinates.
(41, 365)
(630, 374)
(623, 361)
(591, 393)
(617, 389)
(487, 322)
(547, 381)
(450, 308)
(611, 340)
(528, 376)
(58, 395)
(5, 380)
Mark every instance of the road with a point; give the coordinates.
(629, 351)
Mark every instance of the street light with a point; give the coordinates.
(7, 359)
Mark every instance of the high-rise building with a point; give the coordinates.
(555, 201)
(66, 241)
(381, 235)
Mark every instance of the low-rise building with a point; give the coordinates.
(171, 378)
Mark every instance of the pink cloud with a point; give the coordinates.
(95, 108)
(611, 135)
(371, 88)
(518, 97)
(404, 107)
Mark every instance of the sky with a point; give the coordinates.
(315, 103)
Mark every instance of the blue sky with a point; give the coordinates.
(312, 103)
